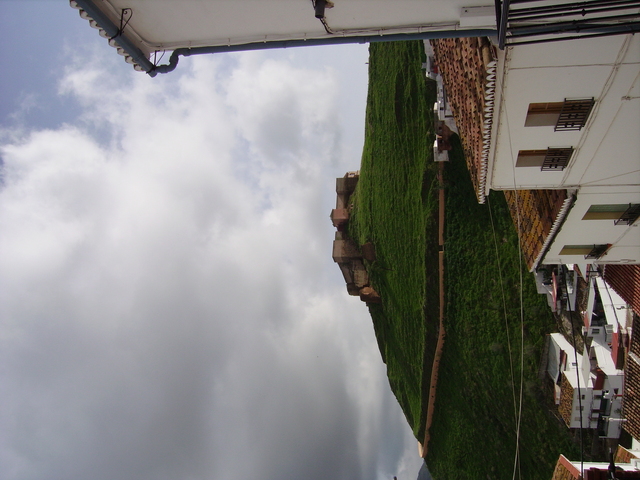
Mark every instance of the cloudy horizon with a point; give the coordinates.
(168, 303)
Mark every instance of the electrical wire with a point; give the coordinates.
(575, 355)
(516, 461)
(506, 322)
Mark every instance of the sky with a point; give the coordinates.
(168, 303)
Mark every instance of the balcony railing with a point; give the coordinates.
(574, 114)
(630, 215)
(556, 159)
(522, 22)
(597, 251)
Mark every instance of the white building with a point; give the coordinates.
(626, 465)
(567, 117)
(588, 387)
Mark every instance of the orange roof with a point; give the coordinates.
(623, 455)
(565, 470)
(468, 69)
(540, 213)
(631, 398)
(566, 400)
(625, 280)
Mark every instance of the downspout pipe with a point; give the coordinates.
(187, 52)
(120, 38)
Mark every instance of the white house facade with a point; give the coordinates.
(588, 387)
(567, 116)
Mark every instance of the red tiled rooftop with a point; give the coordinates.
(539, 214)
(625, 280)
(565, 470)
(468, 66)
(631, 398)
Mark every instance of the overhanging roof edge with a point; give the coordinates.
(114, 33)
(335, 40)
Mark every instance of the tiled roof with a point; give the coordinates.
(631, 399)
(623, 455)
(566, 400)
(540, 212)
(625, 280)
(565, 470)
(468, 69)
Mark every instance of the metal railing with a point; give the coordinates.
(522, 22)
(574, 114)
(556, 159)
(630, 215)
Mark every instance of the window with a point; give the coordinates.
(570, 115)
(606, 212)
(551, 159)
(589, 251)
(531, 158)
(543, 114)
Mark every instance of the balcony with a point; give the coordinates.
(522, 22)
(597, 251)
(556, 159)
(630, 215)
(574, 115)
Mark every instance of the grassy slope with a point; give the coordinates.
(475, 423)
(395, 208)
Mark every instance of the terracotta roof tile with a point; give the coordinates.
(625, 280)
(565, 470)
(566, 400)
(539, 212)
(468, 68)
(631, 399)
(623, 455)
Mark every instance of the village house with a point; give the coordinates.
(588, 386)
(625, 466)
(554, 125)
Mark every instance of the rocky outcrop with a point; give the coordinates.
(346, 253)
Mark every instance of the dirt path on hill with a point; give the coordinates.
(441, 333)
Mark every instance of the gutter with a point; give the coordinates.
(186, 52)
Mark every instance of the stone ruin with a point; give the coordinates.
(345, 251)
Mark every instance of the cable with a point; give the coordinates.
(506, 323)
(519, 233)
(575, 355)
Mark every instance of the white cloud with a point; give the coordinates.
(168, 304)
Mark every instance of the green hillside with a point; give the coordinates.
(395, 207)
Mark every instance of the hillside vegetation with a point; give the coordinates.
(395, 207)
